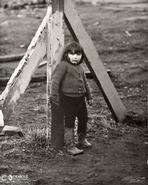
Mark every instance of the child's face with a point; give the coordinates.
(74, 57)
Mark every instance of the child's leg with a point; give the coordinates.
(82, 125)
(82, 118)
(69, 113)
(57, 126)
(69, 129)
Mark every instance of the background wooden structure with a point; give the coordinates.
(49, 40)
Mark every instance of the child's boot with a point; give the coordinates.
(69, 137)
(83, 142)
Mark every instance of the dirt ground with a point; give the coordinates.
(119, 156)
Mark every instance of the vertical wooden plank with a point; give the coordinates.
(57, 34)
(57, 44)
(48, 53)
(1, 121)
(93, 61)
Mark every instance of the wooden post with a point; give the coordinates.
(48, 53)
(57, 44)
(93, 61)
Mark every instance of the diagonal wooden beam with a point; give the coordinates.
(93, 61)
(21, 77)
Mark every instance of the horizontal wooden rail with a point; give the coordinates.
(17, 57)
(11, 58)
(4, 80)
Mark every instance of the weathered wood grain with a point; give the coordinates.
(21, 77)
(56, 43)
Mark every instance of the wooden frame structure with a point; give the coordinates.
(49, 41)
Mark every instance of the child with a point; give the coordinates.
(69, 89)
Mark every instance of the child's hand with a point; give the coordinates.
(53, 100)
(90, 102)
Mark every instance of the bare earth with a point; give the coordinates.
(119, 154)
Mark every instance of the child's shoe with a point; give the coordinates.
(83, 142)
(69, 138)
(73, 150)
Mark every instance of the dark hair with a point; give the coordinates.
(73, 47)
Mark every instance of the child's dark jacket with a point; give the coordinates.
(70, 80)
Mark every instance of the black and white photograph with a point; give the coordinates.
(73, 92)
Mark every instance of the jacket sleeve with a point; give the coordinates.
(88, 93)
(57, 77)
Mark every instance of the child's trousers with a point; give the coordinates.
(75, 107)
